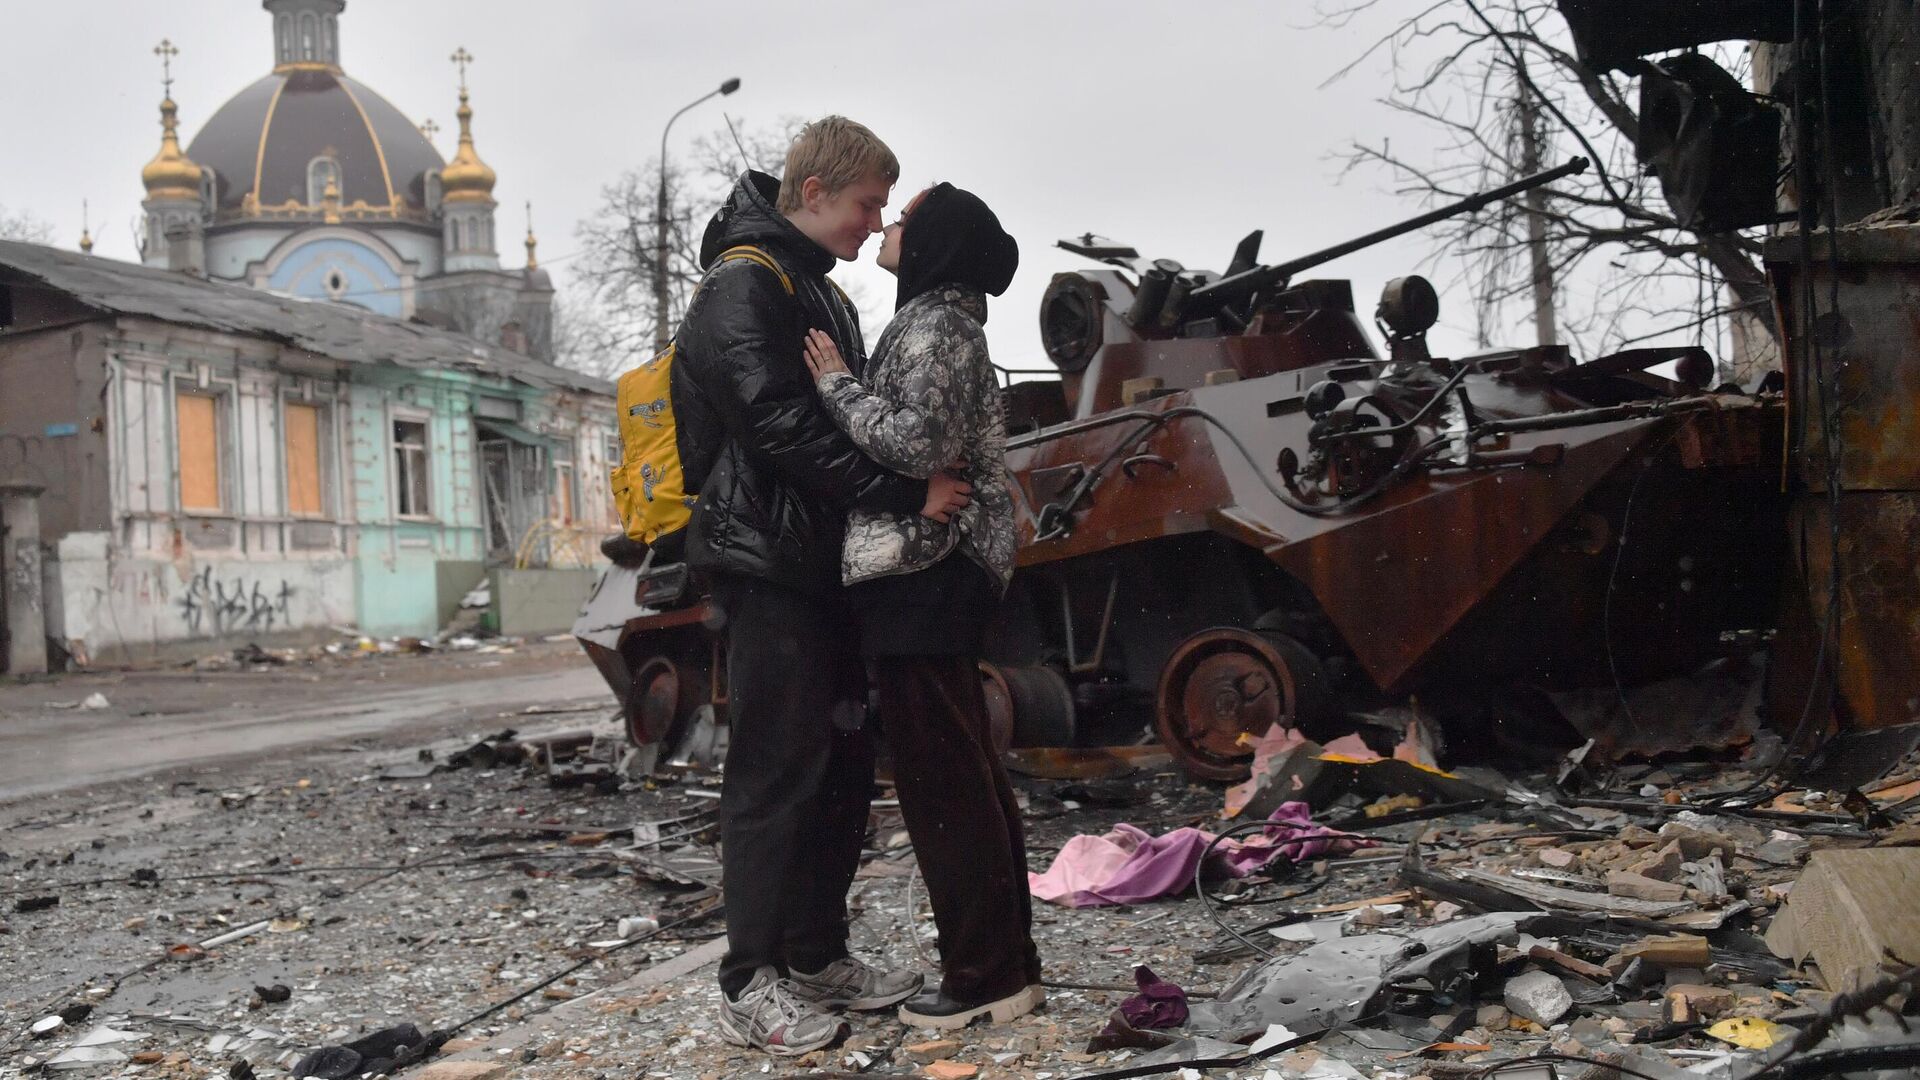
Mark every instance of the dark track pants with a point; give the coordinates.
(799, 774)
(964, 820)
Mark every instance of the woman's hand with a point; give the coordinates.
(823, 356)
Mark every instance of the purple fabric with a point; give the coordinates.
(1089, 871)
(1159, 1004)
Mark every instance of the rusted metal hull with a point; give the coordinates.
(1868, 373)
(1450, 578)
(660, 662)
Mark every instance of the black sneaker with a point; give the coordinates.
(936, 1010)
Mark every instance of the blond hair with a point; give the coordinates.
(838, 151)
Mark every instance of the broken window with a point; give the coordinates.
(614, 457)
(410, 468)
(305, 497)
(197, 429)
(516, 476)
(563, 483)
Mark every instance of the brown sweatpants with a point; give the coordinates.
(963, 818)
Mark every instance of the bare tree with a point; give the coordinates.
(1500, 81)
(26, 226)
(608, 305)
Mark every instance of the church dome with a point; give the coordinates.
(269, 146)
(466, 178)
(170, 175)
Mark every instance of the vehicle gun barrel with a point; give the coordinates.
(1229, 291)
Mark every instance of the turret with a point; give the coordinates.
(177, 189)
(466, 194)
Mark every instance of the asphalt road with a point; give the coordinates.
(165, 720)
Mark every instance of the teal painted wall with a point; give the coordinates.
(400, 564)
(397, 559)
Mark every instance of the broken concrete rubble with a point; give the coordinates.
(1537, 996)
(1399, 964)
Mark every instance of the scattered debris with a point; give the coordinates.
(1383, 929)
(1128, 865)
(47, 1025)
(1852, 912)
(1538, 997)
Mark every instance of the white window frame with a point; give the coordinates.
(425, 420)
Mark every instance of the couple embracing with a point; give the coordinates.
(855, 528)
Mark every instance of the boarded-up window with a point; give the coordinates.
(303, 460)
(410, 467)
(196, 420)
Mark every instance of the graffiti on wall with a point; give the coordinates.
(214, 607)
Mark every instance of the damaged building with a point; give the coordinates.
(215, 462)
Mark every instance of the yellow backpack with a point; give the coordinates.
(649, 489)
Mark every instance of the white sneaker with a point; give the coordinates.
(769, 1015)
(852, 983)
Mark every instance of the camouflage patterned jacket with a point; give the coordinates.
(930, 399)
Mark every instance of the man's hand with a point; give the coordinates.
(823, 356)
(947, 495)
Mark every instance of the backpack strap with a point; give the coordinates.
(758, 255)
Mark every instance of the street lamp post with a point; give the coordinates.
(661, 295)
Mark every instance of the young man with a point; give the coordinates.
(776, 478)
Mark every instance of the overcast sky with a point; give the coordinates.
(1173, 127)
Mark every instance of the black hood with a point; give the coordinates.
(953, 238)
(749, 217)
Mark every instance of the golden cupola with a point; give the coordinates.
(171, 174)
(466, 178)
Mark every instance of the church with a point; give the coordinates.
(310, 184)
(320, 402)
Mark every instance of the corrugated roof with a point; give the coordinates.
(341, 331)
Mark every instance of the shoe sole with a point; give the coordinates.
(1002, 1011)
(740, 1038)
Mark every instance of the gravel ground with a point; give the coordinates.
(430, 900)
(450, 900)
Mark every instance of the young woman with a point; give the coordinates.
(923, 591)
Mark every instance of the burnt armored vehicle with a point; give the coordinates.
(1234, 512)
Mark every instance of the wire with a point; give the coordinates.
(1852, 1059)
(1059, 511)
(1199, 868)
(285, 871)
(913, 932)
(1495, 1066)
(557, 976)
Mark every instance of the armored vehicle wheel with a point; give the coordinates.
(665, 695)
(1032, 706)
(1223, 683)
(999, 707)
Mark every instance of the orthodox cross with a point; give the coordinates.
(166, 52)
(461, 58)
(429, 129)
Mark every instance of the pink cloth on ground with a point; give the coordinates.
(1128, 866)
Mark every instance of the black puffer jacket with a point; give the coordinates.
(775, 476)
